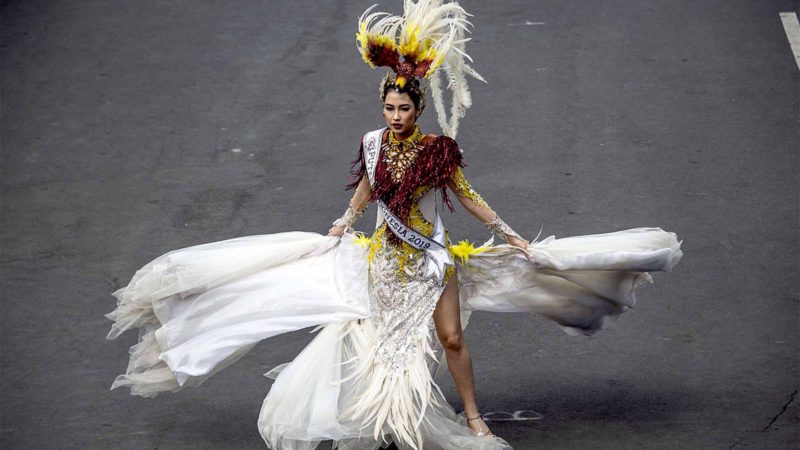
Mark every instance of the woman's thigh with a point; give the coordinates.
(447, 314)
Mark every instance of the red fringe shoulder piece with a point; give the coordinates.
(436, 163)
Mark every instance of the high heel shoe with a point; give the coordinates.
(480, 432)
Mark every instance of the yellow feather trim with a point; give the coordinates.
(376, 243)
(362, 239)
(464, 249)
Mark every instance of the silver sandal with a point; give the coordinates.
(478, 433)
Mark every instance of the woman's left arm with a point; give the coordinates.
(477, 206)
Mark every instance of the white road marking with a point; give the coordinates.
(526, 23)
(792, 28)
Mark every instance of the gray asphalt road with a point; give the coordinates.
(119, 124)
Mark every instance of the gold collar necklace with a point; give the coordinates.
(399, 155)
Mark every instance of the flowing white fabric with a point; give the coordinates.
(304, 405)
(201, 308)
(582, 283)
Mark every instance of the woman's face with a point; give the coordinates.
(399, 113)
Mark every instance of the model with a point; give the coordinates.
(388, 305)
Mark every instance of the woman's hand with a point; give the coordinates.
(521, 243)
(336, 231)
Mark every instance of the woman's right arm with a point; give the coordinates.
(358, 203)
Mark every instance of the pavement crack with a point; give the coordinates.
(783, 410)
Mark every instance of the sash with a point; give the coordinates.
(437, 258)
(372, 145)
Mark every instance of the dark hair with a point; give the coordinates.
(411, 87)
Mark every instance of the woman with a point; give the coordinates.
(402, 144)
(387, 304)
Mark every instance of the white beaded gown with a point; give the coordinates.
(367, 377)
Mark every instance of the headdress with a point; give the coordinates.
(428, 36)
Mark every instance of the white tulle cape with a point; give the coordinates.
(201, 308)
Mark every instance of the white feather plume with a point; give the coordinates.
(448, 23)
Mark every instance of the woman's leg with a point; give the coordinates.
(447, 317)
